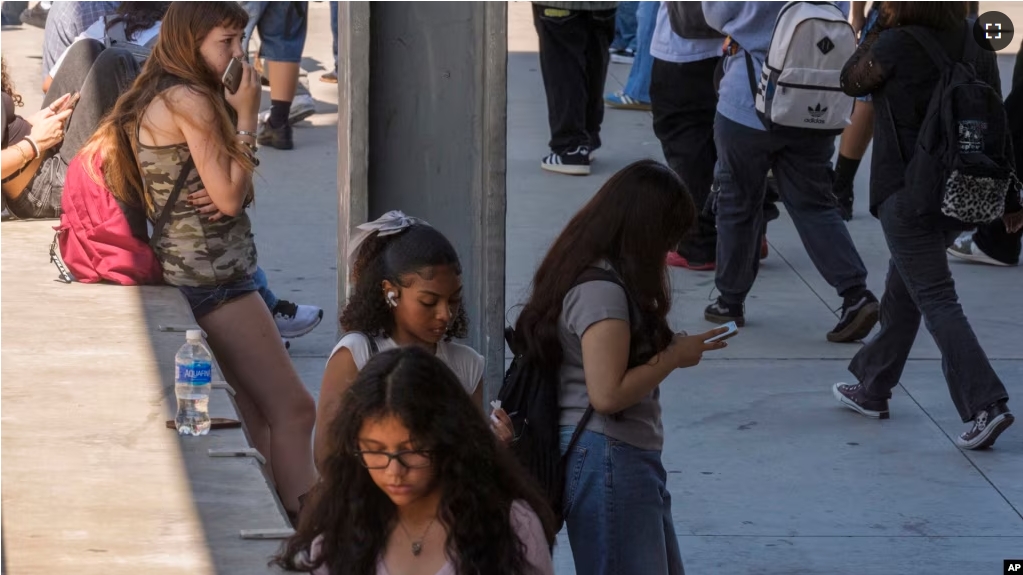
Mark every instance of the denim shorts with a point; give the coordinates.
(206, 299)
(282, 28)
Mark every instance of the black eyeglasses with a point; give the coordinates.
(381, 459)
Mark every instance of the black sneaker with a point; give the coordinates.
(279, 137)
(296, 320)
(859, 316)
(721, 312)
(855, 398)
(575, 162)
(987, 426)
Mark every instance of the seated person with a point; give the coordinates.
(37, 150)
(135, 26)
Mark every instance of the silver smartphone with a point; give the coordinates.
(233, 75)
(733, 330)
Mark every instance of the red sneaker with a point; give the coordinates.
(763, 248)
(678, 261)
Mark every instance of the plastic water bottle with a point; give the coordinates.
(193, 371)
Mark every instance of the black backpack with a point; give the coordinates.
(116, 37)
(531, 394)
(687, 21)
(961, 170)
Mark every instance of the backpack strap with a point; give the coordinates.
(165, 215)
(937, 54)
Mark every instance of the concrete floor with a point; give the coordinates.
(768, 474)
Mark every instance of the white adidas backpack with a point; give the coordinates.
(800, 79)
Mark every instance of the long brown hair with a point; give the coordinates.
(8, 86)
(175, 55)
(633, 221)
(938, 15)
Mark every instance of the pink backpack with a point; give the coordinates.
(94, 241)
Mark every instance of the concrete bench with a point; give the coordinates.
(93, 480)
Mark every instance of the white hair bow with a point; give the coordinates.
(392, 222)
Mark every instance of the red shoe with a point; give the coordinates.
(763, 248)
(676, 260)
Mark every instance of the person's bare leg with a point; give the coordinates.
(857, 135)
(244, 338)
(254, 423)
(855, 139)
(283, 78)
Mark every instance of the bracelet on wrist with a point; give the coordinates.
(246, 133)
(35, 146)
(24, 157)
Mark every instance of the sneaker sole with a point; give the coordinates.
(300, 333)
(860, 327)
(856, 407)
(619, 106)
(723, 319)
(977, 258)
(987, 437)
(298, 117)
(566, 169)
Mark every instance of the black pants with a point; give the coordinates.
(573, 60)
(920, 287)
(994, 240)
(683, 101)
(100, 77)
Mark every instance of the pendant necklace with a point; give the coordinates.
(417, 546)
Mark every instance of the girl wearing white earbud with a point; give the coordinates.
(407, 291)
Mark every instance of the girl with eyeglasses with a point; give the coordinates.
(416, 484)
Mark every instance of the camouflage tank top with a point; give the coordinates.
(193, 250)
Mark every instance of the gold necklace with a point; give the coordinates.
(417, 546)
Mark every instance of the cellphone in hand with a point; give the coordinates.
(733, 330)
(70, 103)
(233, 75)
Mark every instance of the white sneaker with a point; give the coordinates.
(302, 107)
(295, 320)
(964, 248)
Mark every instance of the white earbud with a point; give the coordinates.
(391, 299)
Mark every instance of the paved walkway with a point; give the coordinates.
(768, 475)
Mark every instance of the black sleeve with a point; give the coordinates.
(864, 73)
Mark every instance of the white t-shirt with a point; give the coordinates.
(98, 31)
(462, 359)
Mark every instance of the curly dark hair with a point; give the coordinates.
(393, 258)
(478, 479)
(138, 16)
(8, 86)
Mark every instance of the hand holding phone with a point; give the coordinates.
(70, 103)
(232, 77)
(732, 331)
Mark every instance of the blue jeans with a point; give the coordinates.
(801, 162)
(263, 286)
(637, 86)
(625, 26)
(618, 509)
(333, 30)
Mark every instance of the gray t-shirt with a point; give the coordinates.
(583, 306)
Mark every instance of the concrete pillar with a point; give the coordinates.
(421, 128)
